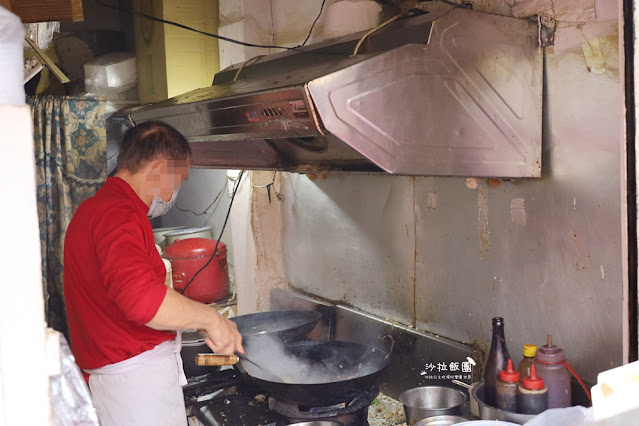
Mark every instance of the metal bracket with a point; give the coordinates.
(546, 30)
(329, 317)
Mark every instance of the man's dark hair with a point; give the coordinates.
(149, 141)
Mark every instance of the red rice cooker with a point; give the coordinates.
(189, 256)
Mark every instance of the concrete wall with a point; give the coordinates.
(446, 254)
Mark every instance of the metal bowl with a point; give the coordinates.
(429, 401)
(488, 412)
(318, 423)
(441, 421)
(158, 234)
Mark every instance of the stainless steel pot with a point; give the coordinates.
(488, 412)
(429, 401)
(318, 423)
(441, 421)
(158, 234)
(186, 233)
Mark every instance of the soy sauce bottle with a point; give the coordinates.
(532, 394)
(496, 362)
(507, 388)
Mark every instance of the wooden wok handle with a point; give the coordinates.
(215, 360)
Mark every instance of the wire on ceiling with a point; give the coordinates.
(217, 36)
(314, 22)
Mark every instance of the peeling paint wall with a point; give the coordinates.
(447, 254)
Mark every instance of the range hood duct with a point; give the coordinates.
(459, 94)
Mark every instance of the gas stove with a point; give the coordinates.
(348, 413)
(224, 398)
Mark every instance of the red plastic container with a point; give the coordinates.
(187, 257)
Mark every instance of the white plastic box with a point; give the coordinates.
(115, 72)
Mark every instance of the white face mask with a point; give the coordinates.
(159, 207)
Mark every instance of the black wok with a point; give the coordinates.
(323, 372)
(282, 326)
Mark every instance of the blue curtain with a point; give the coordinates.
(70, 154)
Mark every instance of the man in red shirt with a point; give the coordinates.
(121, 315)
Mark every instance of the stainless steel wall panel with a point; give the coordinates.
(544, 253)
(351, 238)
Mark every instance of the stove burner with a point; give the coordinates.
(351, 413)
(209, 384)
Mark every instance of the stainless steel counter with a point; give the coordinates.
(417, 359)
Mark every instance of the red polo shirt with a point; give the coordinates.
(113, 278)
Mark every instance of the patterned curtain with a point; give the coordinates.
(70, 155)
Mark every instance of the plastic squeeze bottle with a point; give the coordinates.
(529, 359)
(507, 385)
(532, 394)
(497, 361)
(548, 363)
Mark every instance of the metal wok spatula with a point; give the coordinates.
(270, 375)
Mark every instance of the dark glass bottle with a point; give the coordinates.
(496, 362)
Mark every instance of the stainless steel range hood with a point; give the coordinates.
(457, 94)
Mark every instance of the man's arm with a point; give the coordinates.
(140, 294)
(180, 313)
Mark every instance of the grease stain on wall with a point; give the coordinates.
(518, 211)
(431, 200)
(482, 221)
(580, 250)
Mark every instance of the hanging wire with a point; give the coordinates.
(268, 187)
(377, 28)
(313, 26)
(261, 186)
(209, 206)
(217, 243)
(217, 36)
(250, 61)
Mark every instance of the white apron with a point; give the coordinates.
(145, 390)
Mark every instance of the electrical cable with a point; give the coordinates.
(581, 382)
(247, 62)
(574, 373)
(262, 186)
(217, 243)
(206, 209)
(217, 36)
(379, 27)
(268, 187)
(314, 22)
